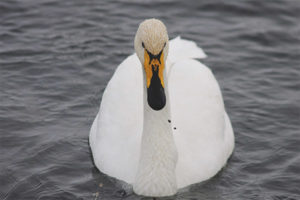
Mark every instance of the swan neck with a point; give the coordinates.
(158, 158)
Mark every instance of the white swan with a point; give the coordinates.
(162, 123)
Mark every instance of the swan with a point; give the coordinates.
(162, 124)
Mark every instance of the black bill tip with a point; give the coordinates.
(155, 93)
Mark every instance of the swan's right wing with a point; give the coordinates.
(115, 135)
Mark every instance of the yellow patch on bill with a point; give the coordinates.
(156, 64)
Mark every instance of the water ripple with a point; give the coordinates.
(56, 58)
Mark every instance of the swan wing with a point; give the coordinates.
(200, 122)
(116, 131)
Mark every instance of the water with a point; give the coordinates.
(56, 58)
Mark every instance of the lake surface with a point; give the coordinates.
(56, 58)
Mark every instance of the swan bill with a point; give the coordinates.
(154, 67)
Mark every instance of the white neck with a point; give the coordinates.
(158, 158)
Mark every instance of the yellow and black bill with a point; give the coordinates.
(154, 68)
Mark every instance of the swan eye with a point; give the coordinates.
(143, 45)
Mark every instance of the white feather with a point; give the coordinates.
(204, 138)
(182, 49)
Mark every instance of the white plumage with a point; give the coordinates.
(203, 136)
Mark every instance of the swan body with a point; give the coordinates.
(186, 141)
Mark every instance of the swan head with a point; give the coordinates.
(151, 35)
(151, 45)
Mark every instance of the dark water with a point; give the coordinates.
(56, 58)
